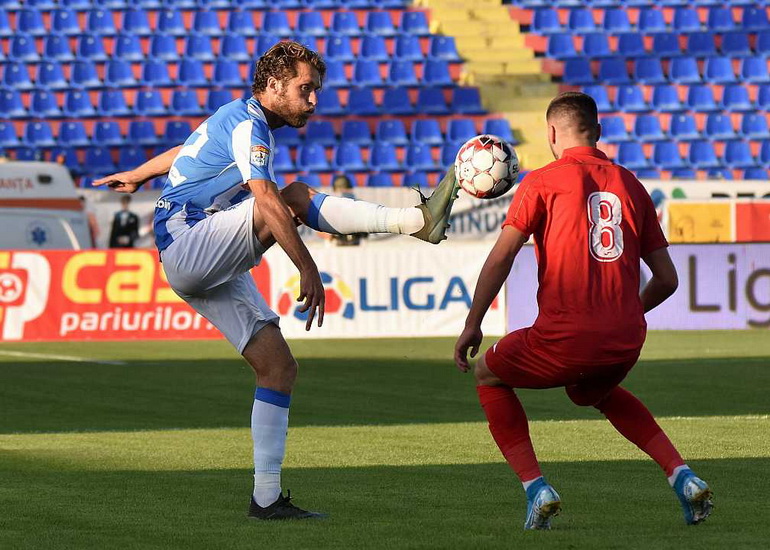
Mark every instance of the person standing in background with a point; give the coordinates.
(125, 226)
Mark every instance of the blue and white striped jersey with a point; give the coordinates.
(210, 172)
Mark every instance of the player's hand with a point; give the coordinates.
(469, 339)
(122, 182)
(311, 290)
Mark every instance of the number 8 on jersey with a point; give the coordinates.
(605, 236)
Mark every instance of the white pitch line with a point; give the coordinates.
(53, 357)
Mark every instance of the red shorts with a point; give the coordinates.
(520, 365)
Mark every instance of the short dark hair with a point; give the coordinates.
(281, 61)
(580, 107)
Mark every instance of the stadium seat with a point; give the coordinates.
(345, 22)
(39, 134)
(391, 131)
(265, 41)
(227, 72)
(206, 22)
(43, 105)
(216, 98)
(501, 128)
(149, 103)
(581, 21)
(613, 72)
(199, 47)
(560, 46)
(436, 73)
(419, 157)
(356, 131)
(395, 101)
(176, 132)
(107, 133)
(764, 152)
(754, 126)
(372, 47)
(366, 72)
(651, 21)
(719, 70)
(616, 20)
(686, 20)
(738, 155)
(311, 156)
(735, 44)
(23, 48)
(329, 103)
(630, 99)
(684, 70)
(735, 98)
(701, 99)
(185, 103)
(402, 73)
(241, 23)
(408, 48)
(91, 47)
(754, 70)
(379, 22)
(763, 97)
(155, 73)
(50, 75)
(631, 156)
(191, 73)
(461, 129)
(307, 40)
(130, 157)
(163, 46)
(431, 101)
(99, 161)
(648, 70)
(614, 129)
(665, 154)
(119, 74)
(683, 128)
(720, 19)
(11, 105)
(702, 155)
(647, 173)
(701, 44)
(339, 48)
(379, 179)
(311, 22)
(68, 157)
(170, 22)
(444, 47)
(647, 128)
(77, 104)
(414, 22)
(65, 21)
(56, 47)
(631, 45)
(29, 154)
(276, 23)
(73, 134)
(383, 157)
(142, 132)
(287, 136)
(136, 22)
(320, 132)
(100, 22)
(665, 99)
(546, 21)
(596, 45)
(754, 19)
(755, 174)
(666, 45)
(427, 131)
(415, 178)
(449, 152)
(128, 48)
(16, 76)
(719, 127)
(5, 25)
(600, 96)
(335, 74)
(466, 101)
(233, 46)
(348, 158)
(361, 102)
(30, 22)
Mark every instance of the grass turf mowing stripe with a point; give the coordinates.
(367, 446)
(57, 357)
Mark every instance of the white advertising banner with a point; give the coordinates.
(404, 288)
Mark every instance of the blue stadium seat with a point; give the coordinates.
(91, 47)
(43, 105)
(414, 22)
(163, 46)
(561, 46)
(216, 98)
(702, 155)
(356, 131)
(339, 48)
(136, 22)
(738, 155)
(578, 71)
(307, 40)
(427, 131)
(23, 48)
(600, 96)
(735, 44)
(683, 174)
(312, 156)
(155, 73)
(651, 21)
(311, 22)
(631, 155)
(701, 99)
(345, 22)
(16, 76)
(616, 20)
(735, 98)
(191, 73)
(420, 157)
(50, 75)
(335, 74)
(501, 128)
(68, 157)
(436, 73)
(449, 152)
(613, 71)
(100, 22)
(199, 47)
(170, 22)
(30, 22)
(176, 132)
(581, 20)
(408, 48)
(648, 70)
(754, 126)
(282, 161)
(395, 101)
(701, 44)
(665, 98)
(379, 22)
(241, 23)
(321, 132)
(131, 157)
(665, 154)
(546, 21)
(107, 133)
(720, 127)
(5, 25)
(754, 19)
(233, 46)
(631, 44)
(73, 134)
(56, 47)
(276, 23)
(142, 132)
(206, 22)
(763, 97)
(720, 19)
(431, 101)
(684, 70)
(630, 99)
(287, 136)
(683, 128)
(265, 41)
(39, 134)
(329, 103)
(227, 72)
(348, 157)
(391, 131)
(361, 102)
(77, 104)
(755, 174)
(402, 73)
(596, 45)
(99, 161)
(11, 105)
(415, 178)
(29, 154)
(648, 128)
(461, 129)
(65, 21)
(764, 152)
(185, 103)
(466, 101)
(119, 74)
(754, 70)
(666, 45)
(444, 47)
(647, 173)
(373, 47)
(383, 157)
(149, 103)
(128, 48)
(379, 179)
(719, 70)
(686, 20)
(366, 72)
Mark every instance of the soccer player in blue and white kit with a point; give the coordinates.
(219, 211)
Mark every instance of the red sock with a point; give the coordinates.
(632, 419)
(508, 424)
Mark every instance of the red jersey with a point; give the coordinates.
(592, 221)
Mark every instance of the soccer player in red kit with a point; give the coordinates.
(592, 222)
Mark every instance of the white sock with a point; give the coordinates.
(345, 216)
(269, 424)
(675, 473)
(526, 484)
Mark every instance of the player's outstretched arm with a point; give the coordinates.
(129, 182)
(493, 275)
(664, 281)
(280, 221)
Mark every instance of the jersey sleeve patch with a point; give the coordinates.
(260, 155)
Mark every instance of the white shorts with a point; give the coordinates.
(208, 267)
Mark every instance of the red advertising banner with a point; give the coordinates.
(752, 221)
(96, 295)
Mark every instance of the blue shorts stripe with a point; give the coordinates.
(279, 399)
(314, 210)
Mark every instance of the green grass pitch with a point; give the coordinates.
(146, 445)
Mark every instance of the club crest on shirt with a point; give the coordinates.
(259, 155)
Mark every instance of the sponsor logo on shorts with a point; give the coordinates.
(259, 155)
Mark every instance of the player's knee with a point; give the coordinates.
(484, 376)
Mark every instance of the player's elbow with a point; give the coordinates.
(669, 282)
